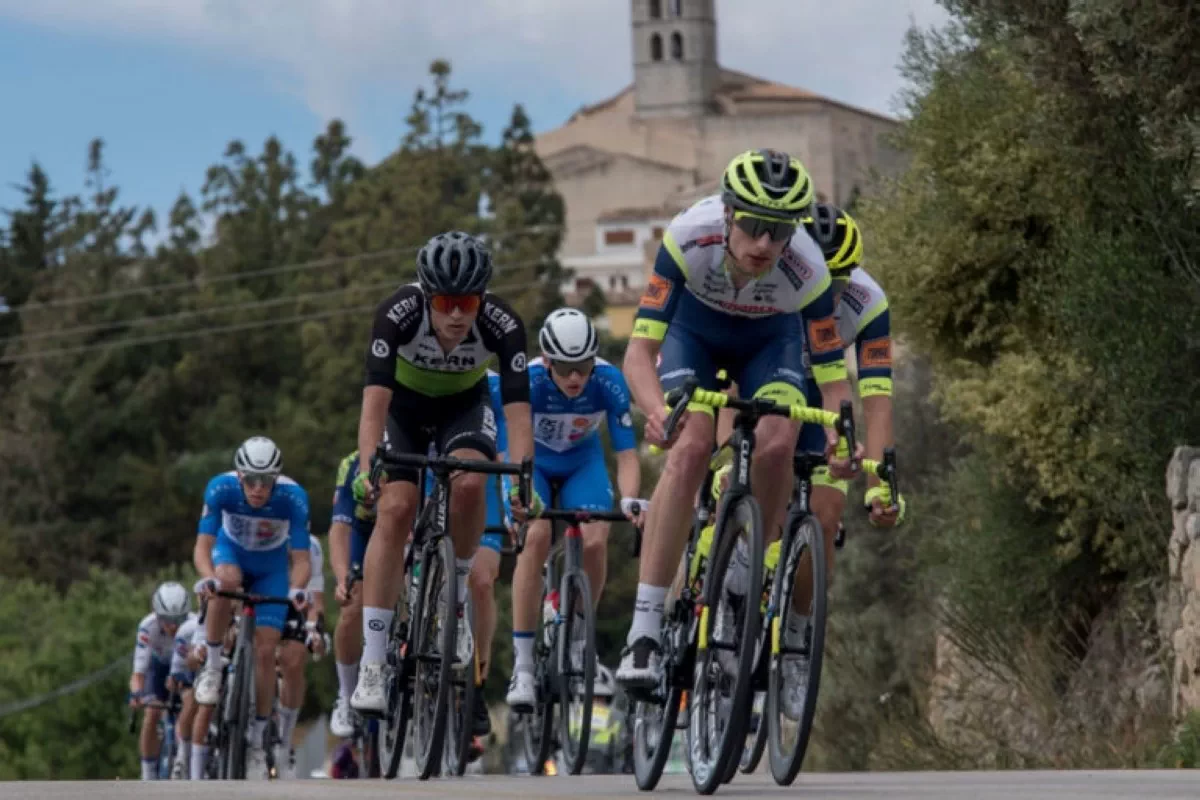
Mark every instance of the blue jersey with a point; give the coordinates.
(562, 424)
(282, 521)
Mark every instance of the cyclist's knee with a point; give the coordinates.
(775, 443)
(230, 577)
(291, 658)
(481, 581)
(689, 456)
(351, 614)
(469, 489)
(537, 542)
(595, 540)
(397, 504)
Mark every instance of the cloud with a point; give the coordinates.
(335, 53)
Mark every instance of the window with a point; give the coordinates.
(655, 9)
(624, 281)
(677, 46)
(618, 237)
(657, 233)
(656, 48)
(677, 8)
(612, 282)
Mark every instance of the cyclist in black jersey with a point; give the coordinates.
(426, 382)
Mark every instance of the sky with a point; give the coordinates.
(168, 83)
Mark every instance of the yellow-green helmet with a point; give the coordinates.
(767, 182)
(836, 233)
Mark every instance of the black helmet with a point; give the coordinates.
(836, 233)
(454, 263)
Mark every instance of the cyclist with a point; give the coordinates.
(426, 382)
(349, 532)
(302, 634)
(152, 665)
(253, 531)
(736, 285)
(571, 391)
(182, 676)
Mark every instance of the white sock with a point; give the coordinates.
(347, 678)
(254, 731)
(150, 769)
(199, 760)
(376, 624)
(647, 612)
(522, 650)
(287, 724)
(462, 571)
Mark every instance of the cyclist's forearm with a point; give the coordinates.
(641, 375)
(878, 412)
(339, 550)
(629, 473)
(301, 569)
(202, 556)
(519, 419)
(371, 422)
(833, 393)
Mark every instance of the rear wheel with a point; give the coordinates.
(461, 714)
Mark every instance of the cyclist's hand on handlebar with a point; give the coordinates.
(299, 597)
(882, 514)
(364, 491)
(339, 593)
(654, 431)
(841, 465)
(635, 510)
(206, 587)
(519, 512)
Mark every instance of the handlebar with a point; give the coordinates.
(885, 470)
(173, 704)
(253, 599)
(524, 471)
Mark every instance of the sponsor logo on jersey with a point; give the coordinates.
(380, 348)
(463, 361)
(518, 362)
(746, 308)
(581, 427)
(627, 420)
(505, 321)
(397, 312)
(794, 269)
(658, 291)
(823, 336)
(876, 353)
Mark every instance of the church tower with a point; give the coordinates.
(674, 57)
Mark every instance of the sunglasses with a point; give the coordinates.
(563, 369)
(256, 480)
(446, 303)
(754, 226)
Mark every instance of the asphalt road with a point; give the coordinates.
(1145, 785)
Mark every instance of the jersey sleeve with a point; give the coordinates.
(505, 336)
(210, 515)
(141, 646)
(616, 402)
(298, 529)
(873, 351)
(397, 320)
(316, 583)
(663, 290)
(824, 342)
(498, 410)
(343, 492)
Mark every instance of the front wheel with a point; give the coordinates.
(797, 650)
(576, 670)
(435, 647)
(461, 715)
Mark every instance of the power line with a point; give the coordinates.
(68, 688)
(120, 344)
(303, 266)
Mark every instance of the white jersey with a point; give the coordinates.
(316, 583)
(696, 241)
(861, 303)
(152, 642)
(190, 633)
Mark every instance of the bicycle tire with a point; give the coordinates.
(538, 733)
(711, 765)
(805, 531)
(429, 719)
(392, 729)
(650, 755)
(575, 598)
(461, 714)
(243, 682)
(370, 749)
(752, 755)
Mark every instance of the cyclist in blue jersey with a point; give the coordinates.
(254, 533)
(736, 286)
(571, 391)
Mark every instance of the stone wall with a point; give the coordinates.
(1182, 606)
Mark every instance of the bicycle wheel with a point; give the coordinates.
(391, 731)
(654, 721)
(370, 748)
(461, 715)
(237, 718)
(757, 739)
(576, 669)
(538, 734)
(434, 645)
(796, 666)
(722, 677)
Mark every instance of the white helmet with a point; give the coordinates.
(568, 335)
(171, 602)
(258, 454)
(603, 685)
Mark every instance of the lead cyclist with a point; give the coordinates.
(737, 285)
